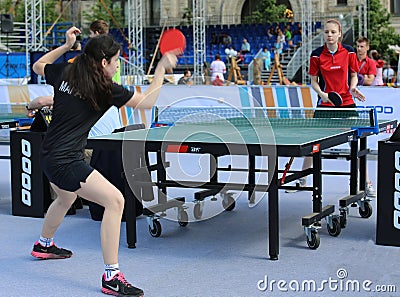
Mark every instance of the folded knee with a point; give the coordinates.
(117, 202)
(64, 202)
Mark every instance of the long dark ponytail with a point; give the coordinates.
(85, 75)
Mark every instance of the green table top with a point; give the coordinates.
(229, 134)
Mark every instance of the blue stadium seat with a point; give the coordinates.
(248, 58)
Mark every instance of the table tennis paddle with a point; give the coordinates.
(172, 39)
(335, 98)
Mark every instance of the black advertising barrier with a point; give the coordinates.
(388, 216)
(30, 187)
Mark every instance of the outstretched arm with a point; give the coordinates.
(147, 99)
(53, 55)
(353, 87)
(40, 102)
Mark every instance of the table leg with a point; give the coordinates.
(353, 167)
(363, 164)
(130, 216)
(252, 178)
(273, 210)
(317, 182)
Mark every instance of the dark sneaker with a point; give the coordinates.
(119, 286)
(51, 252)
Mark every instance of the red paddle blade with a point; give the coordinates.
(172, 39)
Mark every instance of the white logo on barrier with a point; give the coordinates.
(385, 109)
(396, 196)
(26, 172)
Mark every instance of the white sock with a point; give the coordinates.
(46, 242)
(111, 270)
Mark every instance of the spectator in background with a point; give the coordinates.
(279, 47)
(388, 74)
(282, 36)
(288, 35)
(230, 53)
(366, 66)
(298, 30)
(266, 57)
(186, 79)
(98, 27)
(280, 43)
(226, 40)
(206, 73)
(239, 58)
(378, 81)
(218, 69)
(270, 32)
(214, 39)
(220, 38)
(245, 47)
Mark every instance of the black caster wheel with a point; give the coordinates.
(197, 211)
(367, 212)
(343, 220)
(230, 204)
(183, 218)
(336, 228)
(155, 231)
(315, 240)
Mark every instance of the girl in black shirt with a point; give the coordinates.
(83, 91)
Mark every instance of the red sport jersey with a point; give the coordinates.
(367, 66)
(333, 70)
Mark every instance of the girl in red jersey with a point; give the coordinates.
(331, 65)
(378, 81)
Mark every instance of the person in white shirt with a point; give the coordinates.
(218, 69)
(388, 74)
(245, 46)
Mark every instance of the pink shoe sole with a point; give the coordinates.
(46, 256)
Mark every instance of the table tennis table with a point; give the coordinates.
(12, 115)
(268, 132)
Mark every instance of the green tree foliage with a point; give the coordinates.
(15, 8)
(6, 6)
(187, 17)
(98, 12)
(51, 10)
(267, 11)
(55, 10)
(380, 33)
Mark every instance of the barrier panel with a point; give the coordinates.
(384, 99)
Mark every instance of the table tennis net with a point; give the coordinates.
(282, 117)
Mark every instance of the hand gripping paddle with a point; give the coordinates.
(172, 39)
(335, 98)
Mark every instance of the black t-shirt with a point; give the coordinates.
(72, 118)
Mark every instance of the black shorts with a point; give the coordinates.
(68, 176)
